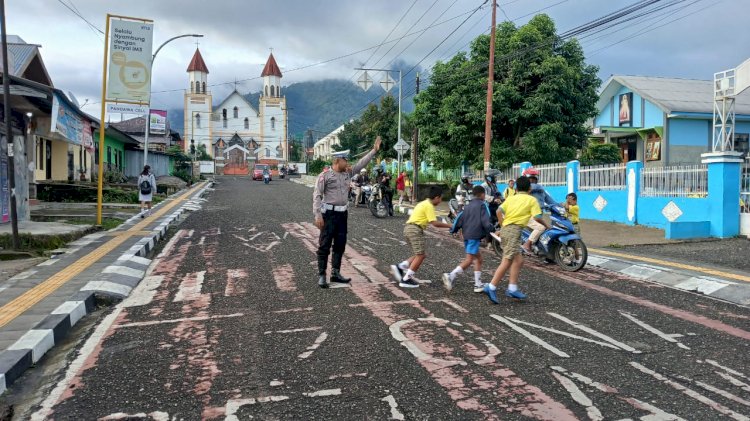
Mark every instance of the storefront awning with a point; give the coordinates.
(643, 133)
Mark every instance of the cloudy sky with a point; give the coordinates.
(692, 40)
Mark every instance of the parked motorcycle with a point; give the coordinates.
(560, 244)
(376, 201)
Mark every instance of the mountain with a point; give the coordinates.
(321, 105)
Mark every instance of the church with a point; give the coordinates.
(235, 133)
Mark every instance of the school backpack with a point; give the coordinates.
(145, 187)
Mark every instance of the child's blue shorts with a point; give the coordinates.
(472, 246)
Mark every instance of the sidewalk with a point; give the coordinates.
(39, 306)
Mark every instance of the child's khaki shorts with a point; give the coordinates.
(415, 237)
(510, 239)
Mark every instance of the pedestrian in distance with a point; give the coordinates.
(474, 224)
(514, 214)
(574, 212)
(422, 216)
(330, 209)
(401, 187)
(407, 187)
(510, 190)
(146, 190)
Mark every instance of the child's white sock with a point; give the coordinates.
(512, 287)
(409, 274)
(404, 265)
(477, 278)
(458, 270)
(492, 287)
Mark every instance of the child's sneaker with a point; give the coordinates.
(515, 294)
(492, 293)
(479, 288)
(408, 283)
(447, 282)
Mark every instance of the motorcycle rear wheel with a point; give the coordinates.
(378, 209)
(565, 255)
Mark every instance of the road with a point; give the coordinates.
(230, 324)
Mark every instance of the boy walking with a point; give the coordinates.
(514, 214)
(474, 223)
(422, 215)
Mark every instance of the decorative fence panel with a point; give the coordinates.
(552, 174)
(678, 181)
(602, 177)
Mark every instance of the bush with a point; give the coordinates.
(601, 154)
(316, 167)
(184, 175)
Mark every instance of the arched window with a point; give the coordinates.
(268, 153)
(247, 123)
(198, 121)
(273, 121)
(278, 90)
(224, 113)
(272, 90)
(192, 87)
(266, 90)
(204, 87)
(236, 112)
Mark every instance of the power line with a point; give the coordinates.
(389, 34)
(80, 16)
(407, 31)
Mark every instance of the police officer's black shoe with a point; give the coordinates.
(338, 278)
(322, 281)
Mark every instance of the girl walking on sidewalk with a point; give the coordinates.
(146, 189)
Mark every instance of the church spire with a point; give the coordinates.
(271, 69)
(197, 64)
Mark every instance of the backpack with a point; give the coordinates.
(145, 187)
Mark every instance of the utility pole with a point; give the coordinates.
(8, 143)
(415, 157)
(490, 85)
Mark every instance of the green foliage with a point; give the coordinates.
(120, 196)
(114, 176)
(359, 135)
(542, 99)
(201, 154)
(316, 167)
(183, 174)
(600, 154)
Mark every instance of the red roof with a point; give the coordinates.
(197, 64)
(271, 69)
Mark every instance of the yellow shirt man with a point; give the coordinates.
(519, 208)
(423, 214)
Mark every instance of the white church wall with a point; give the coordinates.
(273, 132)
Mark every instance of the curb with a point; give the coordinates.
(115, 282)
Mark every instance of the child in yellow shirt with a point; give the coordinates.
(574, 212)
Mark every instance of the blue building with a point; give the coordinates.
(663, 121)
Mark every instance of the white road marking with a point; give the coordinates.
(735, 382)
(183, 319)
(655, 331)
(727, 369)
(347, 376)
(145, 293)
(310, 349)
(691, 393)
(234, 405)
(716, 390)
(285, 235)
(656, 413)
(395, 413)
(593, 332)
(156, 416)
(533, 338)
(585, 380)
(276, 383)
(168, 249)
(293, 310)
(324, 392)
(563, 333)
(593, 412)
(302, 329)
(190, 287)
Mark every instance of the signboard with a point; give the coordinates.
(66, 121)
(157, 122)
(626, 109)
(130, 44)
(653, 148)
(401, 146)
(88, 138)
(127, 109)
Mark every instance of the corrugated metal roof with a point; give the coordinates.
(20, 57)
(675, 95)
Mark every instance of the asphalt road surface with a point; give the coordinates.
(230, 324)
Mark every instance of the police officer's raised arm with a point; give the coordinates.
(367, 158)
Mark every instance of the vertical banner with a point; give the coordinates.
(5, 190)
(158, 122)
(130, 45)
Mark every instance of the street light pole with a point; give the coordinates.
(148, 109)
(490, 86)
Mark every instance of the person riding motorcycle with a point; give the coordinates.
(358, 182)
(491, 194)
(463, 191)
(384, 180)
(544, 199)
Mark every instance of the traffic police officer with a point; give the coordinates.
(330, 205)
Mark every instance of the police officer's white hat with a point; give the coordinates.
(341, 154)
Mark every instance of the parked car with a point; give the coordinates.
(258, 171)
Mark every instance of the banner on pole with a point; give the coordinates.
(130, 44)
(158, 122)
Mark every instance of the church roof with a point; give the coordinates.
(197, 64)
(271, 69)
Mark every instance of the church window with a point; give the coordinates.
(224, 113)
(272, 90)
(192, 87)
(273, 123)
(236, 112)
(247, 123)
(198, 121)
(266, 90)
(268, 153)
(204, 87)
(278, 90)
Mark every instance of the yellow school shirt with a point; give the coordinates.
(509, 192)
(519, 208)
(423, 214)
(574, 213)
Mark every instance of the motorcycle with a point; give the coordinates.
(364, 199)
(266, 178)
(456, 205)
(560, 244)
(376, 201)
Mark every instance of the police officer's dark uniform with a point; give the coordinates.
(330, 203)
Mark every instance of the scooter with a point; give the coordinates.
(560, 244)
(266, 178)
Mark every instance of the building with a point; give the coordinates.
(325, 146)
(664, 121)
(262, 132)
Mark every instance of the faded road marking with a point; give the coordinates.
(190, 287)
(655, 331)
(324, 392)
(183, 319)
(310, 349)
(302, 329)
(530, 336)
(235, 278)
(563, 333)
(593, 332)
(234, 405)
(395, 413)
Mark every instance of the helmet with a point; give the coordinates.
(363, 171)
(465, 179)
(531, 172)
(491, 176)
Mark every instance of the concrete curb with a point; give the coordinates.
(114, 282)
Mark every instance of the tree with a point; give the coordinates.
(600, 154)
(543, 95)
(359, 135)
